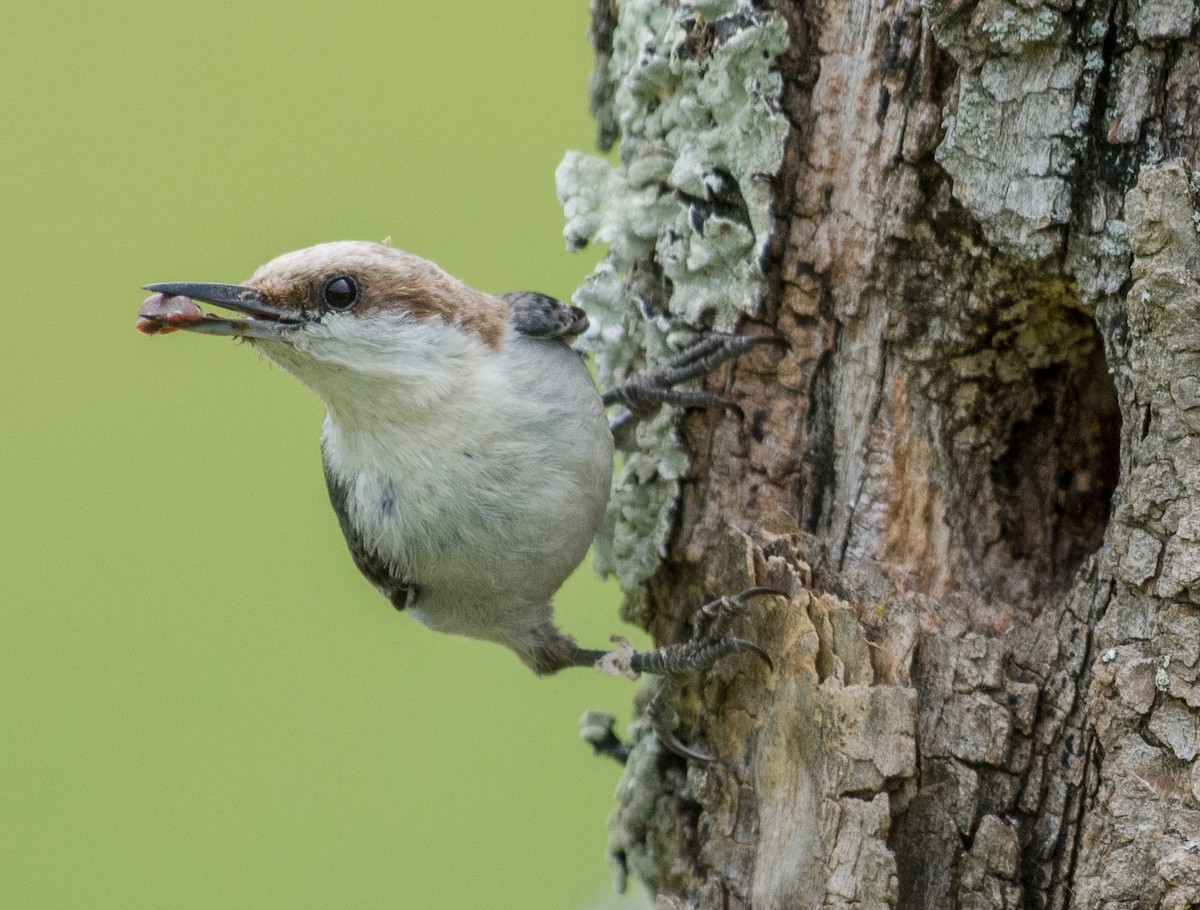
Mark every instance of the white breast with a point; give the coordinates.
(485, 484)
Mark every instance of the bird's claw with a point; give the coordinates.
(668, 739)
(675, 663)
(644, 394)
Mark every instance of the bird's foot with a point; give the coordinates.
(675, 663)
(644, 394)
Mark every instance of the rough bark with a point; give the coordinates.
(975, 465)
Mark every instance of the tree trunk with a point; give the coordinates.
(975, 466)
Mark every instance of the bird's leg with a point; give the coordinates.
(674, 663)
(643, 394)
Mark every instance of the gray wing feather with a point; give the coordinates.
(540, 316)
(400, 591)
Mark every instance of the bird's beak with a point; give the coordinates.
(173, 306)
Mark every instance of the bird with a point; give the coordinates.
(467, 452)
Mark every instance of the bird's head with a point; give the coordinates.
(344, 317)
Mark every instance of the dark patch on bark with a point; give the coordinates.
(600, 87)
(818, 477)
(704, 35)
(1055, 474)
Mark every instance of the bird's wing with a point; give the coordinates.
(539, 316)
(401, 591)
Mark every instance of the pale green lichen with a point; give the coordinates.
(1011, 29)
(644, 495)
(686, 216)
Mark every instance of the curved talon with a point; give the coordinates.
(668, 739)
(744, 644)
(760, 590)
(720, 401)
(732, 603)
(716, 616)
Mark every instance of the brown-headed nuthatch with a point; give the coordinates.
(466, 449)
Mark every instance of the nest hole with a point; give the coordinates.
(1053, 463)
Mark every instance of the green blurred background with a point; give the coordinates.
(202, 704)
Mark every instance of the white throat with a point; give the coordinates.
(385, 375)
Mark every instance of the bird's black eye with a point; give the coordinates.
(340, 292)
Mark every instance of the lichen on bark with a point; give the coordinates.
(973, 469)
(694, 99)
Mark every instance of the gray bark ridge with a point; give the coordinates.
(974, 467)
